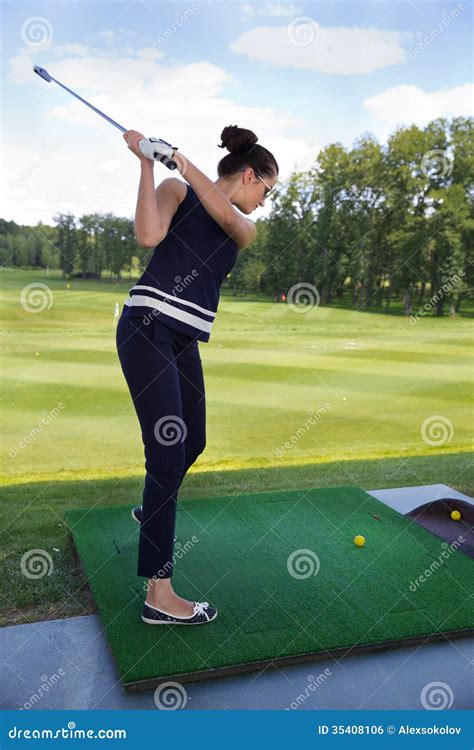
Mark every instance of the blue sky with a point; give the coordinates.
(301, 75)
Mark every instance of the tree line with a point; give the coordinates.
(374, 222)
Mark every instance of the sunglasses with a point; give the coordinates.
(268, 190)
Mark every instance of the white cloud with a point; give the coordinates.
(115, 36)
(269, 9)
(305, 45)
(108, 34)
(145, 90)
(411, 104)
(21, 67)
(183, 104)
(111, 166)
(61, 50)
(21, 64)
(150, 53)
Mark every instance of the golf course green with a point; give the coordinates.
(320, 397)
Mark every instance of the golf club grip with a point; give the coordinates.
(169, 163)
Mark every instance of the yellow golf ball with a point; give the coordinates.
(455, 515)
(359, 540)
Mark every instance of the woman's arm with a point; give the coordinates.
(216, 203)
(148, 221)
(148, 224)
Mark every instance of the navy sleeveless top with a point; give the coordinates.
(181, 283)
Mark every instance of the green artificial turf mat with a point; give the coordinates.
(234, 552)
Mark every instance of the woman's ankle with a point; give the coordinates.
(159, 588)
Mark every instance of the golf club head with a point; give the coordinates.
(43, 73)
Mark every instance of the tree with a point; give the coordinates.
(67, 243)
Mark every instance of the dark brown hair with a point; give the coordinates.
(244, 152)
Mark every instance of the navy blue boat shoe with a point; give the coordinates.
(202, 613)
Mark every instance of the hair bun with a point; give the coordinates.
(236, 139)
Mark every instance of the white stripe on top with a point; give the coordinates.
(178, 299)
(173, 312)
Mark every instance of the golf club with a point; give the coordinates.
(155, 154)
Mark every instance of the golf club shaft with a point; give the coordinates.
(109, 119)
(47, 77)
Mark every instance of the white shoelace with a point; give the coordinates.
(199, 608)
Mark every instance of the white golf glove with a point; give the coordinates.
(159, 150)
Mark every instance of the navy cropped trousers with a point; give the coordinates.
(163, 370)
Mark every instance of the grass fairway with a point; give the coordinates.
(326, 397)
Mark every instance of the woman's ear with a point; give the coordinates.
(248, 175)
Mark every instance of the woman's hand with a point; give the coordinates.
(132, 137)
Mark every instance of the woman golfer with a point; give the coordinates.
(196, 233)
